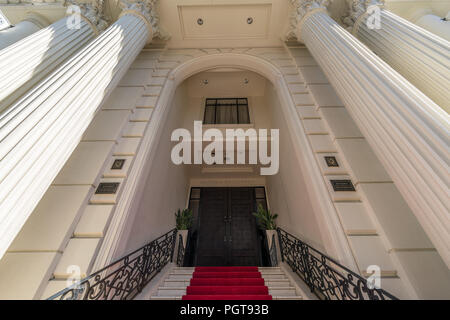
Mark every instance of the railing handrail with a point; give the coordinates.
(322, 254)
(124, 259)
(351, 275)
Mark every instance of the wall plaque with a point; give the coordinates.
(118, 164)
(107, 188)
(331, 161)
(342, 185)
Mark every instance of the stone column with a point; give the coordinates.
(420, 56)
(31, 24)
(41, 129)
(408, 132)
(25, 63)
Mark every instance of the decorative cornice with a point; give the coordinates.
(357, 11)
(93, 14)
(303, 9)
(147, 9)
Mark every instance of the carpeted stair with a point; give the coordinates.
(227, 283)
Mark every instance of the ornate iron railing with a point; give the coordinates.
(181, 252)
(273, 252)
(125, 278)
(325, 277)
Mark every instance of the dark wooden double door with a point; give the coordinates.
(227, 230)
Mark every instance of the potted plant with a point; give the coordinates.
(183, 220)
(267, 221)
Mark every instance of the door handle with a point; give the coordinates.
(231, 239)
(224, 238)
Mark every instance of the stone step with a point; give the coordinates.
(171, 291)
(164, 298)
(267, 277)
(184, 283)
(183, 268)
(274, 298)
(183, 277)
(176, 283)
(190, 272)
(263, 273)
(174, 286)
(286, 291)
(287, 298)
(277, 283)
(182, 272)
(259, 268)
(273, 276)
(179, 291)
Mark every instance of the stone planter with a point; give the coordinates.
(184, 234)
(269, 235)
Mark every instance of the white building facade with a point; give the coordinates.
(91, 92)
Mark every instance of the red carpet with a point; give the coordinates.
(227, 283)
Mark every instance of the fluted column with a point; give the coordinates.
(29, 60)
(40, 131)
(407, 131)
(420, 56)
(31, 24)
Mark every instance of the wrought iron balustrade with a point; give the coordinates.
(125, 278)
(325, 277)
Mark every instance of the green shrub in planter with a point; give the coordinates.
(266, 220)
(183, 219)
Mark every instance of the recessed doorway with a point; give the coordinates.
(227, 231)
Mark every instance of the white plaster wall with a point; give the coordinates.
(287, 190)
(166, 188)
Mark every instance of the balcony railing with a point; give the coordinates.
(325, 277)
(125, 278)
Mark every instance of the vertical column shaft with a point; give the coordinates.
(418, 55)
(407, 131)
(41, 129)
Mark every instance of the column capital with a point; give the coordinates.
(303, 9)
(92, 13)
(147, 10)
(357, 11)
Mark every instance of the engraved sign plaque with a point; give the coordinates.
(342, 185)
(107, 188)
(118, 164)
(331, 161)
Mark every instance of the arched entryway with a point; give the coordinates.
(328, 229)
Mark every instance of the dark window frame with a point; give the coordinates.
(213, 102)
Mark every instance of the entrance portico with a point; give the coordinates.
(336, 188)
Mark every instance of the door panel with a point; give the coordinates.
(211, 248)
(243, 246)
(227, 228)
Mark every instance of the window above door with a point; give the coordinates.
(226, 111)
